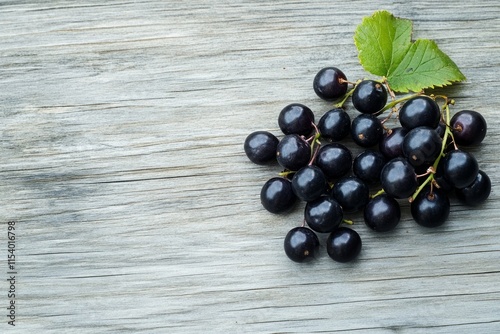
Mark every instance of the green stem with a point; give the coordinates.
(315, 141)
(395, 102)
(347, 221)
(346, 96)
(419, 189)
(285, 173)
(447, 133)
(380, 192)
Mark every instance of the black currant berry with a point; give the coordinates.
(430, 209)
(323, 215)
(277, 195)
(382, 213)
(297, 119)
(260, 147)
(391, 142)
(351, 193)
(460, 168)
(293, 152)
(441, 181)
(301, 244)
(440, 129)
(419, 111)
(335, 124)
(421, 146)
(309, 183)
(334, 160)
(330, 83)
(369, 96)
(368, 165)
(343, 244)
(469, 127)
(366, 130)
(477, 192)
(398, 178)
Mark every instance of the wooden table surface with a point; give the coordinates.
(122, 165)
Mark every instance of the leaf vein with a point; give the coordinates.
(385, 48)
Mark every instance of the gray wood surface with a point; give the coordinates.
(121, 133)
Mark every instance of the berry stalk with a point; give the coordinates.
(447, 133)
(344, 99)
(395, 102)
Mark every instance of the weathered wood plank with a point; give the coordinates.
(121, 129)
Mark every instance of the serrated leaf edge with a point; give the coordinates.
(367, 21)
(446, 82)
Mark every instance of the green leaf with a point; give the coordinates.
(424, 66)
(382, 41)
(385, 49)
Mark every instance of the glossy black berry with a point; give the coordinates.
(277, 195)
(293, 152)
(323, 214)
(343, 244)
(421, 146)
(309, 183)
(441, 181)
(440, 129)
(398, 178)
(430, 209)
(329, 83)
(301, 244)
(391, 143)
(419, 111)
(334, 160)
(382, 213)
(368, 165)
(351, 193)
(460, 168)
(335, 124)
(366, 130)
(369, 96)
(477, 192)
(297, 119)
(260, 147)
(469, 127)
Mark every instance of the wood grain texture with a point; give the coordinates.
(122, 124)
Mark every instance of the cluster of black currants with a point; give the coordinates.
(417, 159)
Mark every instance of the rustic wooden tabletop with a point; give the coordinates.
(136, 210)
